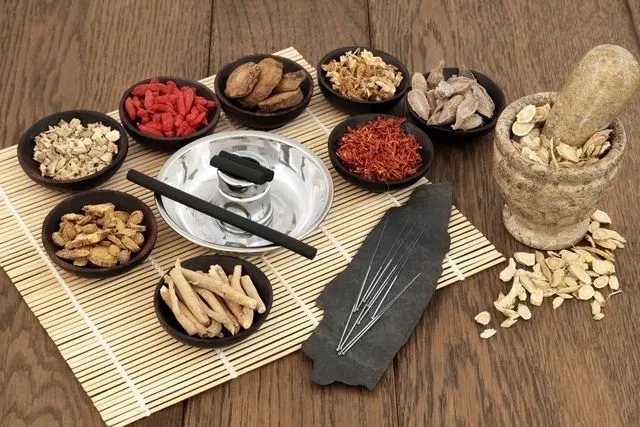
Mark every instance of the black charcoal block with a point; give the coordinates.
(365, 363)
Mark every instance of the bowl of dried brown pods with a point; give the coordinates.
(454, 103)
(73, 150)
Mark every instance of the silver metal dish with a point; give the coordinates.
(294, 203)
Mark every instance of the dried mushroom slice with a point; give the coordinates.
(465, 110)
(280, 101)
(418, 82)
(290, 81)
(242, 80)
(486, 107)
(269, 77)
(436, 75)
(418, 102)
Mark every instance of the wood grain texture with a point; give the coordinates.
(281, 393)
(634, 9)
(60, 55)
(77, 54)
(313, 27)
(447, 375)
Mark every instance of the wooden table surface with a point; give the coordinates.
(560, 369)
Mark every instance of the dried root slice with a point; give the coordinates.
(216, 311)
(124, 256)
(601, 217)
(487, 333)
(187, 294)
(525, 258)
(219, 288)
(483, 318)
(252, 292)
(188, 326)
(101, 257)
(72, 254)
(510, 271)
(508, 322)
(130, 244)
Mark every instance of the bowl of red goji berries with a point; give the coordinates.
(166, 113)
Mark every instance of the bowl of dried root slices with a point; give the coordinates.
(99, 233)
(212, 300)
(263, 91)
(454, 103)
(360, 80)
(73, 150)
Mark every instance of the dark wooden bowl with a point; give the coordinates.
(262, 284)
(30, 167)
(354, 106)
(256, 119)
(75, 203)
(445, 133)
(164, 143)
(368, 184)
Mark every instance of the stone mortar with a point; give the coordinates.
(545, 207)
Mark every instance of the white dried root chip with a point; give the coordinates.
(598, 316)
(483, 318)
(508, 322)
(602, 267)
(598, 297)
(557, 302)
(522, 129)
(525, 258)
(487, 333)
(579, 273)
(536, 298)
(524, 311)
(613, 283)
(567, 152)
(527, 114)
(586, 292)
(595, 307)
(601, 282)
(508, 273)
(601, 216)
(593, 226)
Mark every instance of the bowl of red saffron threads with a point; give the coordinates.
(380, 152)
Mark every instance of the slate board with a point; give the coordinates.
(365, 363)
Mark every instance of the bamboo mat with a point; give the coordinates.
(106, 329)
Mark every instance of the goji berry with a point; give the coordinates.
(182, 109)
(148, 99)
(196, 120)
(145, 119)
(155, 125)
(189, 95)
(171, 84)
(170, 133)
(211, 104)
(178, 119)
(131, 109)
(167, 122)
(182, 128)
(142, 113)
(162, 108)
(140, 90)
(157, 118)
(201, 108)
(200, 100)
(154, 80)
(194, 110)
(188, 131)
(205, 121)
(137, 102)
(149, 130)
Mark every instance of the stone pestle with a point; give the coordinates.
(594, 95)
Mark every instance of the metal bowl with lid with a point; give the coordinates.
(294, 202)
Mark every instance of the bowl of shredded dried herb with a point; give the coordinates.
(380, 152)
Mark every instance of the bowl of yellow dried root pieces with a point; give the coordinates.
(99, 233)
(213, 300)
